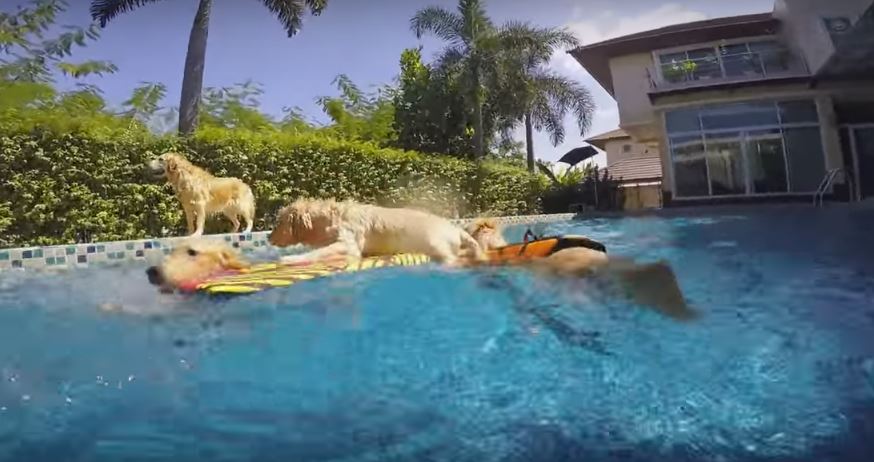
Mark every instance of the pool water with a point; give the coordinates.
(430, 364)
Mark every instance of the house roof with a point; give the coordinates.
(595, 58)
(600, 141)
(636, 169)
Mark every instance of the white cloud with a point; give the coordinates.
(604, 26)
(608, 24)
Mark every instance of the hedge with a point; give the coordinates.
(90, 183)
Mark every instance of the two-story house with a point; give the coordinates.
(753, 106)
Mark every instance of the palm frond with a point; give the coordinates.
(316, 6)
(475, 22)
(288, 12)
(535, 45)
(444, 24)
(104, 11)
(566, 93)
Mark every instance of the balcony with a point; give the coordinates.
(724, 65)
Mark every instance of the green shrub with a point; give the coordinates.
(66, 180)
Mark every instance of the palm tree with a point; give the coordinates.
(473, 43)
(288, 12)
(544, 98)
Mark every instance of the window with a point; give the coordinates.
(626, 148)
(737, 60)
(745, 149)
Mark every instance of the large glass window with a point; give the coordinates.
(737, 60)
(746, 148)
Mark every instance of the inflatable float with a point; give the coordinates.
(263, 276)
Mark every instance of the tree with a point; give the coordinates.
(26, 55)
(473, 44)
(358, 115)
(544, 98)
(429, 108)
(288, 12)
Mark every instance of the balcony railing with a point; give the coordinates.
(719, 68)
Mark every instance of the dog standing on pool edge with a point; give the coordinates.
(203, 194)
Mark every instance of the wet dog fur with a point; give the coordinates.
(203, 194)
(358, 230)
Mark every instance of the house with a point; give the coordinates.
(635, 166)
(748, 107)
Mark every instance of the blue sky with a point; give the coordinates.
(362, 39)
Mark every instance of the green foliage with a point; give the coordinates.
(31, 57)
(430, 114)
(235, 106)
(361, 116)
(65, 180)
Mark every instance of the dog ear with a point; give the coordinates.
(170, 163)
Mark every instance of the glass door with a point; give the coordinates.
(766, 161)
(725, 163)
(862, 139)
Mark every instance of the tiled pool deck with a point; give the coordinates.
(83, 255)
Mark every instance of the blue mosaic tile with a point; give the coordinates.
(101, 248)
(91, 249)
(4, 256)
(16, 263)
(166, 251)
(37, 253)
(71, 250)
(242, 237)
(147, 245)
(82, 258)
(237, 245)
(27, 254)
(228, 238)
(50, 260)
(61, 260)
(140, 253)
(129, 246)
(157, 244)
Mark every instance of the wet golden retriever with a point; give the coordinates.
(194, 260)
(650, 284)
(487, 233)
(203, 194)
(358, 230)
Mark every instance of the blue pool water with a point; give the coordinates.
(427, 364)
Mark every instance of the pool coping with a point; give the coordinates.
(70, 256)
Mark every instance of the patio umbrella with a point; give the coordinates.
(577, 155)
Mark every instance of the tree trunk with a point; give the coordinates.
(477, 116)
(529, 141)
(192, 79)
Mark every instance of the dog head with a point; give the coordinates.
(191, 261)
(487, 233)
(166, 164)
(309, 222)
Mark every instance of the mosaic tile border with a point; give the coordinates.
(150, 250)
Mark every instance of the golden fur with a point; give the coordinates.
(352, 229)
(194, 260)
(650, 284)
(203, 194)
(487, 233)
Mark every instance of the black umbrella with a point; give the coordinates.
(577, 155)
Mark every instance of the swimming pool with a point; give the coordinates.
(424, 364)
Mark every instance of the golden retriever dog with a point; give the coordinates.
(203, 194)
(649, 284)
(487, 233)
(194, 260)
(359, 230)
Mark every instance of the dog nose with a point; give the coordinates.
(154, 275)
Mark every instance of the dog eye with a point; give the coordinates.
(192, 252)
